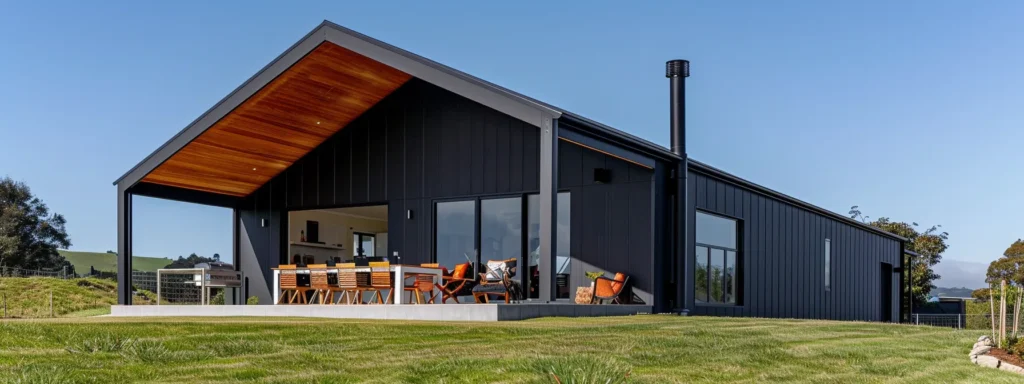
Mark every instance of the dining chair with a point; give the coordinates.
(380, 279)
(348, 284)
(319, 283)
(423, 283)
(291, 290)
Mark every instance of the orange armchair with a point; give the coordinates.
(610, 289)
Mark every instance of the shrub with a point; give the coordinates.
(252, 300)
(218, 299)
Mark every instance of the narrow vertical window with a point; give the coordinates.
(828, 265)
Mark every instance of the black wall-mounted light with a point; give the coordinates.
(263, 223)
(408, 214)
(602, 175)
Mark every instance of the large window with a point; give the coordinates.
(501, 237)
(501, 229)
(563, 259)
(456, 233)
(716, 276)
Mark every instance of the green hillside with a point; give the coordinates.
(107, 262)
(30, 297)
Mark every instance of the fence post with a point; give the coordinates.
(917, 319)
(51, 303)
(5, 305)
(958, 322)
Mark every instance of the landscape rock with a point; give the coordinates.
(988, 361)
(985, 340)
(1011, 368)
(979, 350)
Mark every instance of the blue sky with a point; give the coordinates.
(911, 110)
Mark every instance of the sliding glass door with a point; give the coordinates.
(494, 226)
(563, 258)
(501, 229)
(455, 227)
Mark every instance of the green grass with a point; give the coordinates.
(29, 297)
(107, 262)
(637, 349)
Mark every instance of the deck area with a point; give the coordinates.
(442, 312)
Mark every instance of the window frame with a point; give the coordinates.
(737, 279)
(359, 244)
(828, 265)
(523, 262)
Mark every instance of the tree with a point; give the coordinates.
(929, 245)
(30, 234)
(1010, 269)
(981, 294)
(189, 262)
(216, 256)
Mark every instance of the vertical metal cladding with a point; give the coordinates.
(422, 144)
(782, 257)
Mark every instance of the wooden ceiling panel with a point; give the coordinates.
(289, 117)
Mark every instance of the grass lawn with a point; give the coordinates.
(107, 262)
(649, 349)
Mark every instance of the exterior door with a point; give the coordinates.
(886, 292)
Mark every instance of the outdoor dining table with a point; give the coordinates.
(399, 270)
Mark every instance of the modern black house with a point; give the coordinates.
(345, 145)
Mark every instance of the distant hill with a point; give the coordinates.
(107, 262)
(961, 273)
(952, 292)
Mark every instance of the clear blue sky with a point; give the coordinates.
(911, 110)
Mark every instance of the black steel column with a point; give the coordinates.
(124, 246)
(677, 71)
(548, 209)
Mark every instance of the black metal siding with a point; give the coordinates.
(782, 257)
(422, 144)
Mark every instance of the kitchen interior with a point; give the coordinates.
(338, 235)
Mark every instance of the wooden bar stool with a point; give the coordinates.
(318, 283)
(291, 291)
(348, 284)
(380, 278)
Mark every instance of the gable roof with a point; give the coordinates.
(178, 172)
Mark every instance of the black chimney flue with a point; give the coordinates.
(677, 71)
(682, 299)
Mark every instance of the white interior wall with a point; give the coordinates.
(336, 228)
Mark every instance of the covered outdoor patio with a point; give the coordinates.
(369, 182)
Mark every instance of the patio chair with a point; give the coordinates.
(422, 284)
(380, 278)
(291, 290)
(320, 283)
(457, 284)
(497, 280)
(348, 284)
(610, 289)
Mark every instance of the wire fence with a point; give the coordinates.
(20, 272)
(959, 321)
